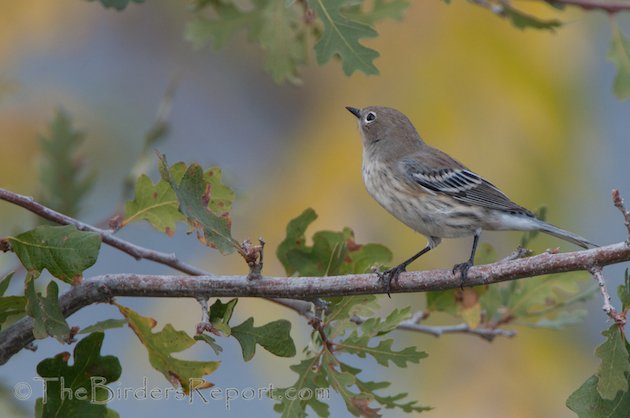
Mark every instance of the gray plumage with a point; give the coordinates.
(430, 191)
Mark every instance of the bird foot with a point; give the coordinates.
(387, 276)
(462, 268)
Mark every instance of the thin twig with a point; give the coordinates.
(487, 334)
(316, 323)
(205, 324)
(413, 324)
(519, 252)
(618, 202)
(619, 318)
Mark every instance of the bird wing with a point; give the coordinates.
(461, 184)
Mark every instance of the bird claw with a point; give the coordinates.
(463, 272)
(390, 275)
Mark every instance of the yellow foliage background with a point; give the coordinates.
(530, 110)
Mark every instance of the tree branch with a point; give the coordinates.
(606, 6)
(103, 288)
(413, 324)
(618, 202)
(136, 251)
(487, 334)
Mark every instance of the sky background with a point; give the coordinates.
(531, 111)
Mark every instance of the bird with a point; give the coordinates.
(432, 193)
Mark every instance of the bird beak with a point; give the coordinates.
(356, 112)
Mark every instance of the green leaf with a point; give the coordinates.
(10, 306)
(310, 380)
(295, 239)
(46, 312)
(389, 402)
(4, 283)
(274, 337)
(280, 31)
(341, 36)
(587, 403)
(342, 381)
(375, 326)
(523, 20)
(64, 183)
(623, 291)
(85, 380)
(160, 346)
(540, 292)
(210, 341)
(345, 307)
(104, 325)
(198, 202)
(562, 320)
(379, 10)
(332, 253)
(443, 301)
(157, 204)
(382, 353)
(612, 373)
(277, 27)
(228, 20)
(220, 314)
(117, 4)
(63, 250)
(619, 54)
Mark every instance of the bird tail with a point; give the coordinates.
(565, 235)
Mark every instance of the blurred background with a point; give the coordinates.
(532, 111)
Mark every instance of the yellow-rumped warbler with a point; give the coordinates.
(431, 192)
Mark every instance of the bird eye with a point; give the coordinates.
(370, 117)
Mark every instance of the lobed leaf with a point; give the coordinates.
(278, 28)
(64, 183)
(343, 381)
(62, 250)
(220, 314)
(46, 312)
(332, 252)
(378, 10)
(587, 403)
(382, 353)
(101, 326)
(199, 204)
(341, 37)
(615, 367)
(156, 203)
(86, 378)
(274, 337)
(389, 402)
(210, 341)
(310, 380)
(10, 306)
(160, 346)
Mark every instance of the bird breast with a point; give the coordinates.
(426, 212)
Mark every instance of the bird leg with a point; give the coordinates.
(463, 267)
(392, 274)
